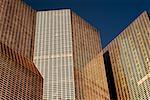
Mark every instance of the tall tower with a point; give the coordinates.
(67, 53)
(129, 53)
(89, 70)
(19, 78)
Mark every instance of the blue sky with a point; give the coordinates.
(108, 16)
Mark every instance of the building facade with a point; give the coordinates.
(19, 78)
(129, 55)
(66, 58)
(54, 54)
(17, 26)
(89, 70)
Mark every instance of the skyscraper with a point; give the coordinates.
(19, 78)
(89, 70)
(68, 55)
(129, 55)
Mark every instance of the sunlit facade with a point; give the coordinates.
(72, 67)
(54, 54)
(89, 70)
(17, 26)
(19, 78)
(129, 55)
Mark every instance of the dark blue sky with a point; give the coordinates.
(109, 16)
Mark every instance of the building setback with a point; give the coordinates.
(129, 55)
(19, 78)
(68, 55)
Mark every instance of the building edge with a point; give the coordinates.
(111, 43)
(125, 28)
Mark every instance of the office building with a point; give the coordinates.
(127, 57)
(19, 78)
(17, 26)
(68, 55)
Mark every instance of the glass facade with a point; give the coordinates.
(19, 78)
(54, 54)
(129, 53)
(90, 77)
(17, 26)
(68, 55)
